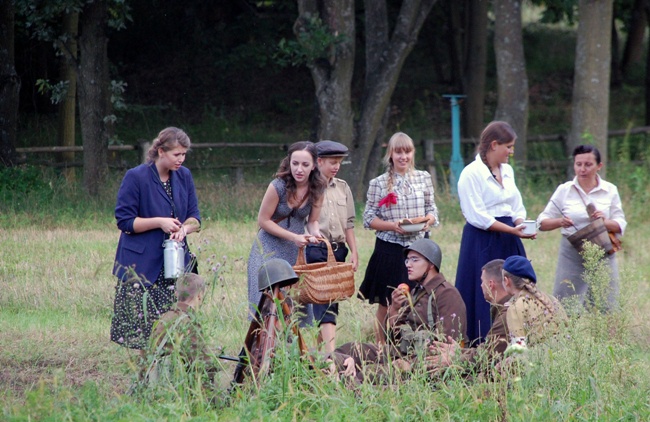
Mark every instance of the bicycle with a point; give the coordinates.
(274, 314)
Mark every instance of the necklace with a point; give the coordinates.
(302, 198)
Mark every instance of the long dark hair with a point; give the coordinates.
(498, 131)
(316, 182)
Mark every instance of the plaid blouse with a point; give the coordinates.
(414, 199)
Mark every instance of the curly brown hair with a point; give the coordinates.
(316, 182)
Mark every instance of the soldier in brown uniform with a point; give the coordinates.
(178, 333)
(433, 310)
(496, 342)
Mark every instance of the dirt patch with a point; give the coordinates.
(18, 380)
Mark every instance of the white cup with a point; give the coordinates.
(530, 226)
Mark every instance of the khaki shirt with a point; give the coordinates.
(178, 329)
(528, 317)
(338, 211)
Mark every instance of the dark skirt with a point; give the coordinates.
(385, 271)
(327, 313)
(132, 319)
(477, 248)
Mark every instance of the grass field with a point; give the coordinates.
(57, 363)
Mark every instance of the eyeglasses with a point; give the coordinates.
(412, 259)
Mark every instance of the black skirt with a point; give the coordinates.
(385, 271)
(137, 307)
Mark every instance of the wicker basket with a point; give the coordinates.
(323, 282)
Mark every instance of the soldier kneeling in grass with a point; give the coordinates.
(522, 315)
(432, 310)
(177, 346)
(486, 355)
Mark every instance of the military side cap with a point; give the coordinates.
(331, 149)
(520, 266)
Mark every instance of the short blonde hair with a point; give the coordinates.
(189, 286)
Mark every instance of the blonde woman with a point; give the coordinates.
(533, 316)
(401, 192)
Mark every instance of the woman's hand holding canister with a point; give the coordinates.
(170, 225)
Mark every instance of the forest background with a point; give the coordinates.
(223, 73)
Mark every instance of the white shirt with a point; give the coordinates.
(572, 202)
(482, 198)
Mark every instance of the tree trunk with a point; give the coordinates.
(512, 105)
(385, 56)
(633, 50)
(647, 69)
(592, 73)
(332, 75)
(476, 67)
(67, 108)
(9, 86)
(93, 95)
(456, 45)
(616, 75)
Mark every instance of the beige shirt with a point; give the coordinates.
(338, 211)
(528, 317)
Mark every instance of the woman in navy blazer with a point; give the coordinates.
(156, 201)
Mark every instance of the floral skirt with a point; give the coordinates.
(137, 307)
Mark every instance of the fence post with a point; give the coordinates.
(428, 158)
(144, 149)
(238, 174)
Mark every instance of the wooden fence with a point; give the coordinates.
(237, 166)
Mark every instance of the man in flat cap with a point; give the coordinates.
(337, 225)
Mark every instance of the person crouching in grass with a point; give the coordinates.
(177, 337)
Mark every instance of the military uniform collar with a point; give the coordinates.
(434, 283)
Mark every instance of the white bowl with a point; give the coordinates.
(412, 227)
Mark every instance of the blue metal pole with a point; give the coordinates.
(456, 165)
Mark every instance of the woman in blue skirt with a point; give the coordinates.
(494, 211)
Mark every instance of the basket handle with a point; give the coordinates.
(331, 260)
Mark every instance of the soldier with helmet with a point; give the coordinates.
(273, 275)
(432, 310)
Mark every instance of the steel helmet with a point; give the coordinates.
(275, 271)
(428, 249)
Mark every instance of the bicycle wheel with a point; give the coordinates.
(256, 356)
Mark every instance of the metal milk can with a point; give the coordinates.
(174, 258)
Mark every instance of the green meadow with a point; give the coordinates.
(56, 296)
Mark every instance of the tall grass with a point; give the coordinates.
(56, 293)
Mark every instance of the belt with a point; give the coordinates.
(335, 245)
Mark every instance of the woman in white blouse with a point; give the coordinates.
(494, 210)
(567, 210)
